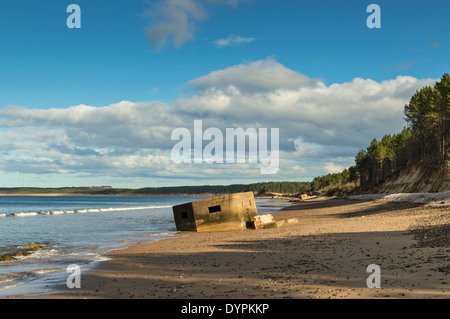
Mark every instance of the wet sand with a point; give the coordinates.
(325, 255)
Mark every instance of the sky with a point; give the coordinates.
(97, 105)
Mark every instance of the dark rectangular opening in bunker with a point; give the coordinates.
(184, 215)
(214, 209)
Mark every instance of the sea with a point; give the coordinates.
(79, 230)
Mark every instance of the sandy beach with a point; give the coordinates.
(325, 255)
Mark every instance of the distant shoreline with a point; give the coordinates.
(106, 195)
(261, 189)
(124, 194)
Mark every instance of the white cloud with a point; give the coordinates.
(233, 3)
(269, 94)
(179, 19)
(333, 168)
(321, 126)
(122, 125)
(176, 19)
(264, 76)
(233, 40)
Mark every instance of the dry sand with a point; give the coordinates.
(325, 255)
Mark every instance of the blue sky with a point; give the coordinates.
(121, 54)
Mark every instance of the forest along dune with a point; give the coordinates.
(324, 255)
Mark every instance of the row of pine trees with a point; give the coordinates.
(425, 139)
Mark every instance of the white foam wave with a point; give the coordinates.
(46, 271)
(58, 212)
(6, 279)
(45, 253)
(116, 209)
(13, 280)
(83, 211)
(25, 214)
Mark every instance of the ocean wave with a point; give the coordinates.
(7, 279)
(25, 214)
(45, 253)
(13, 280)
(82, 211)
(58, 212)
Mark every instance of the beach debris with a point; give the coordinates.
(219, 213)
(260, 221)
(228, 212)
(268, 221)
(303, 196)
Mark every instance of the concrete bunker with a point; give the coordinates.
(227, 212)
